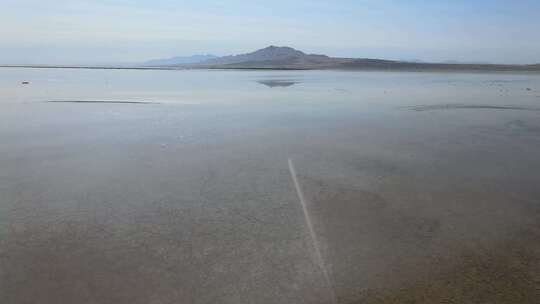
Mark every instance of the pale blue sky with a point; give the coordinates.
(109, 31)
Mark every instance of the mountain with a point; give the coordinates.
(179, 60)
(273, 57)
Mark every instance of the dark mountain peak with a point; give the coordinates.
(279, 48)
(279, 51)
(277, 54)
(273, 47)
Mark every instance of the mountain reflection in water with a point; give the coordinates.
(272, 83)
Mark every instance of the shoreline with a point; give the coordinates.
(427, 69)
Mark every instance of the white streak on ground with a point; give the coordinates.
(311, 230)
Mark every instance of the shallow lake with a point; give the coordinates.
(194, 186)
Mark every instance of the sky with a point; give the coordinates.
(130, 31)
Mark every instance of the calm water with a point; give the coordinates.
(175, 187)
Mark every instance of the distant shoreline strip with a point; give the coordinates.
(435, 107)
(427, 68)
(91, 67)
(102, 101)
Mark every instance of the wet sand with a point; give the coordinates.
(192, 200)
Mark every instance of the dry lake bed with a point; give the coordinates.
(268, 187)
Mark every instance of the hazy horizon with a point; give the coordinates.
(123, 31)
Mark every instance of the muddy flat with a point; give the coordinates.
(405, 188)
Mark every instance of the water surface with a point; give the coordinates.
(174, 187)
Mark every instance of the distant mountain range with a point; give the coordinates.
(274, 57)
(271, 55)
